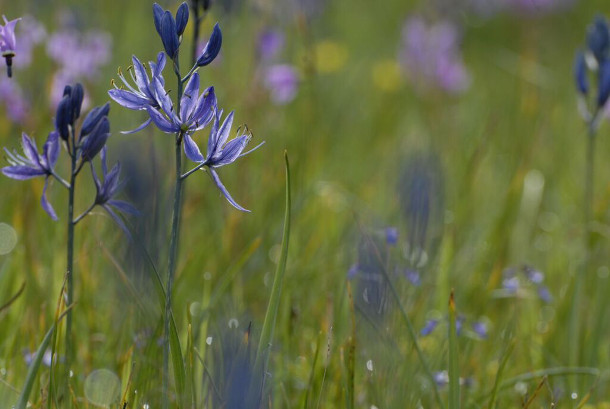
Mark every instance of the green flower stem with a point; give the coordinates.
(173, 247)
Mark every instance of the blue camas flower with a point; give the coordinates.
(107, 188)
(196, 111)
(34, 164)
(142, 96)
(219, 152)
(596, 58)
(8, 42)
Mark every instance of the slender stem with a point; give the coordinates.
(61, 180)
(574, 327)
(195, 169)
(70, 259)
(173, 246)
(198, 18)
(83, 214)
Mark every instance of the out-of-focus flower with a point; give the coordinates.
(34, 164)
(141, 96)
(431, 56)
(391, 235)
(30, 33)
(270, 43)
(421, 198)
(330, 56)
(15, 103)
(480, 328)
(78, 55)
(220, 151)
(428, 327)
(282, 82)
(8, 42)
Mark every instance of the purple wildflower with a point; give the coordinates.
(544, 294)
(391, 235)
(430, 54)
(428, 327)
(270, 43)
(441, 378)
(143, 95)
(8, 42)
(34, 164)
(353, 271)
(413, 276)
(480, 328)
(14, 101)
(220, 150)
(282, 81)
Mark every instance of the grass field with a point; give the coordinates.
(403, 192)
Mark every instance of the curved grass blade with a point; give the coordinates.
(494, 391)
(274, 301)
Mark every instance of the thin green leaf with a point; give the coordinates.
(454, 370)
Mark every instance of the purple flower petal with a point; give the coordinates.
(128, 99)
(30, 149)
(161, 122)
(45, 202)
(192, 150)
(124, 207)
(231, 151)
(225, 192)
(139, 128)
(189, 98)
(21, 172)
(117, 219)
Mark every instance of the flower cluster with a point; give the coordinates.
(195, 110)
(83, 143)
(515, 284)
(8, 42)
(594, 60)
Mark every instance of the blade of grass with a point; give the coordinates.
(35, 365)
(494, 391)
(313, 371)
(454, 370)
(13, 298)
(274, 301)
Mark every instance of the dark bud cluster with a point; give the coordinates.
(170, 29)
(595, 58)
(95, 128)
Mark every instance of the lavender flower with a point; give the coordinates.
(15, 103)
(219, 152)
(282, 81)
(270, 43)
(34, 164)
(196, 111)
(8, 42)
(430, 55)
(107, 188)
(143, 96)
(30, 33)
(480, 328)
(391, 235)
(428, 327)
(170, 29)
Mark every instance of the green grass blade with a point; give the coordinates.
(274, 301)
(494, 391)
(454, 370)
(33, 370)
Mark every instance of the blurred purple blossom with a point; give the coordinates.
(282, 81)
(8, 45)
(413, 276)
(15, 103)
(79, 56)
(30, 33)
(431, 55)
(391, 235)
(270, 44)
(480, 328)
(428, 327)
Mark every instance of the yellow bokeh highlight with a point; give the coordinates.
(387, 75)
(330, 56)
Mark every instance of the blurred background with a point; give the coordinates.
(441, 137)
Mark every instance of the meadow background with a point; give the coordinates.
(499, 161)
